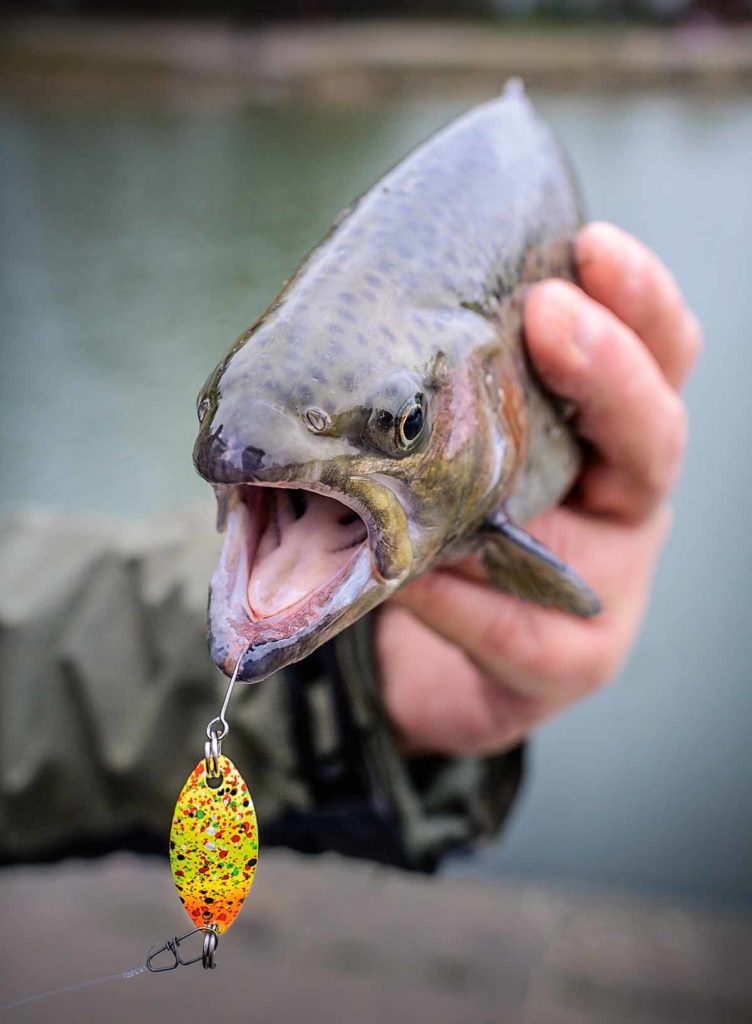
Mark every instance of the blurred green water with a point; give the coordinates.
(139, 239)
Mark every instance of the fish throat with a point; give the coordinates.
(298, 545)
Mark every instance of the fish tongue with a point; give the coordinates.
(296, 556)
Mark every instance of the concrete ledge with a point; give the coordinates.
(325, 939)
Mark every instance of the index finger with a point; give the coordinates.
(623, 275)
(626, 408)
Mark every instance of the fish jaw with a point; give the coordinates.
(270, 604)
(299, 562)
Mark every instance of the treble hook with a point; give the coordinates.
(206, 956)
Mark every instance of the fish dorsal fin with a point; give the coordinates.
(520, 565)
(514, 88)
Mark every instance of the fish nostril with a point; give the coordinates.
(252, 459)
(207, 453)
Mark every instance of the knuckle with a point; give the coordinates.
(668, 290)
(650, 286)
(551, 294)
(599, 237)
(597, 678)
(600, 669)
(555, 287)
(662, 470)
(549, 665)
(693, 340)
(514, 638)
(677, 435)
(424, 590)
(586, 672)
(664, 521)
(494, 640)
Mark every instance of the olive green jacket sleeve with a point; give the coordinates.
(106, 688)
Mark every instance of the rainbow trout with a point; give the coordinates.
(381, 416)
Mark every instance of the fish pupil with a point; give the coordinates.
(412, 423)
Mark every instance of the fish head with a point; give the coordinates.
(335, 474)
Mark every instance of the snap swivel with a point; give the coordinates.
(206, 956)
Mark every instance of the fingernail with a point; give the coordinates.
(585, 329)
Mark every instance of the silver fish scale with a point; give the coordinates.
(449, 225)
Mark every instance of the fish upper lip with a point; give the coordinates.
(219, 464)
(307, 478)
(316, 487)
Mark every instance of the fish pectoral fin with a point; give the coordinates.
(520, 565)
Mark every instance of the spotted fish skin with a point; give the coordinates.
(416, 266)
(417, 291)
(214, 846)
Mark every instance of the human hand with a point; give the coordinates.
(469, 670)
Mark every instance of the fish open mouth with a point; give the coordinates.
(293, 560)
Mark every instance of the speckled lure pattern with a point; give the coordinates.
(214, 846)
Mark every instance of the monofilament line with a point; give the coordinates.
(123, 975)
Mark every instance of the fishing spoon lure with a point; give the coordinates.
(213, 849)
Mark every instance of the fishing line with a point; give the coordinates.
(124, 975)
(215, 800)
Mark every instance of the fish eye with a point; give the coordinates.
(202, 409)
(410, 422)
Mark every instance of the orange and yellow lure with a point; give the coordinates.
(214, 845)
(213, 848)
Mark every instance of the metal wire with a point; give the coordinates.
(212, 750)
(172, 946)
(211, 941)
(211, 731)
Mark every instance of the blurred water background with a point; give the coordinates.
(141, 235)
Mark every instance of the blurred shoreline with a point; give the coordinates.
(323, 938)
(349, 62)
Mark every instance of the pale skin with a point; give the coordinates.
(468, 670)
